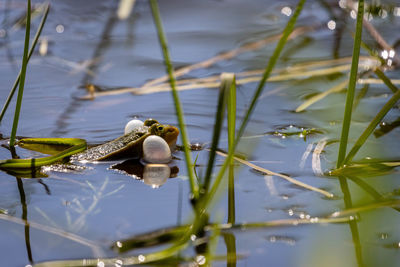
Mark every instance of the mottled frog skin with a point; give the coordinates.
(129, 145)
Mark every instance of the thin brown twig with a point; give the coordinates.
(290, 179)
(284, 74)
(228, 55)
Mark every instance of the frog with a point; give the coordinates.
(76, 150)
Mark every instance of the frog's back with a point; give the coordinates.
(130, 143)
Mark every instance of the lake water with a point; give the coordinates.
(88, 44)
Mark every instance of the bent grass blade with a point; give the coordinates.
(76, 145)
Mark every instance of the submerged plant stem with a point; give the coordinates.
(23, 75)
(178, 108)
(352, 86)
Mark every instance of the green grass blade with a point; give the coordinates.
(23, 75)
(271, 64)
(386, 80)
(372, 125)
(35, 40)
(178, 107)
(231, 147)
(226, 81)
(352, 86)
(231, 113)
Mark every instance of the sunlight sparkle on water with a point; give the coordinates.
(335, 214)
(383, 13)
(286, 11)
(60, 28)
(201, 260)
(384, 236)
(396, 11)
(353, 14)
(368, 16)
(342, 3)
(331, 25)
(141, 258)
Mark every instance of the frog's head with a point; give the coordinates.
(167, 132)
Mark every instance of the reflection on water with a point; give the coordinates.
(153, 175)
(156, 175)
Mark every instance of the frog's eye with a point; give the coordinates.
(160, 128)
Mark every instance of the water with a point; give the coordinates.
(87, 44)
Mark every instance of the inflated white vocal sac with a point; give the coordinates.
(132, 125)
(156, 150)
